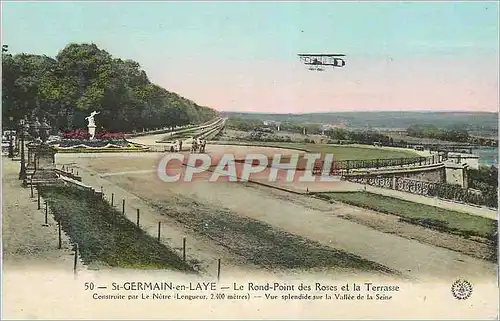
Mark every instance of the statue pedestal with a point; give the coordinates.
(43, 163)
(91, 131)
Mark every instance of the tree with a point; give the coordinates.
(456, 133)
(83, 78)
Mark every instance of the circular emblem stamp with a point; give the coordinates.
(461, 289)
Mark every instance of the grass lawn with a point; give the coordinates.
(340, 152)
(185, 135)
(104, 235)
(434, 217)
(418, 140)
(358, 152)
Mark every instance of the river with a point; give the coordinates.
(487, 156)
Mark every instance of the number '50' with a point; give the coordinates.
(89, 286)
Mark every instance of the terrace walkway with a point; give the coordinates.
(26, 242)
(320, 225)
(153, 139)
(343, 186)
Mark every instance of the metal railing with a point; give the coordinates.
(345, 166)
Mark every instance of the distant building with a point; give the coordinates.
(333, 125)
(419, 147)
(394, 131)
(263, 130)
(272, 123)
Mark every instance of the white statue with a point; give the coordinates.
(91, 124)
(91, 118)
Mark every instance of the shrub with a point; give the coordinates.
(489, 197)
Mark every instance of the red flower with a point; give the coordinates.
(76, 134)
(81, 133)
(109, 135)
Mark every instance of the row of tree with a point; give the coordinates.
(456, 134)
(335, 133)
(83, 78)
(300, 128)
(453, 133)
(242, 124)
(245, 124)
(363, 137)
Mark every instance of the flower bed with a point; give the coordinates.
(108, 144)
(68, 143)
(102, 150)
(83, 134)
(78, 141)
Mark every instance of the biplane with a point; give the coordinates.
(318, 61)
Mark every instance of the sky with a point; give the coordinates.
(242, 56)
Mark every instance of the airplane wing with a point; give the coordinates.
(321, 55)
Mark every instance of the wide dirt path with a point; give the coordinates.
(241, 151)
(412, 258)
(199, 250)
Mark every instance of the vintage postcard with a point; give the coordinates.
(250, 160)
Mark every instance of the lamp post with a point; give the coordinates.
(22, 171)
(11, 138)
(42, 154)
(11, 146)
(34, 132)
